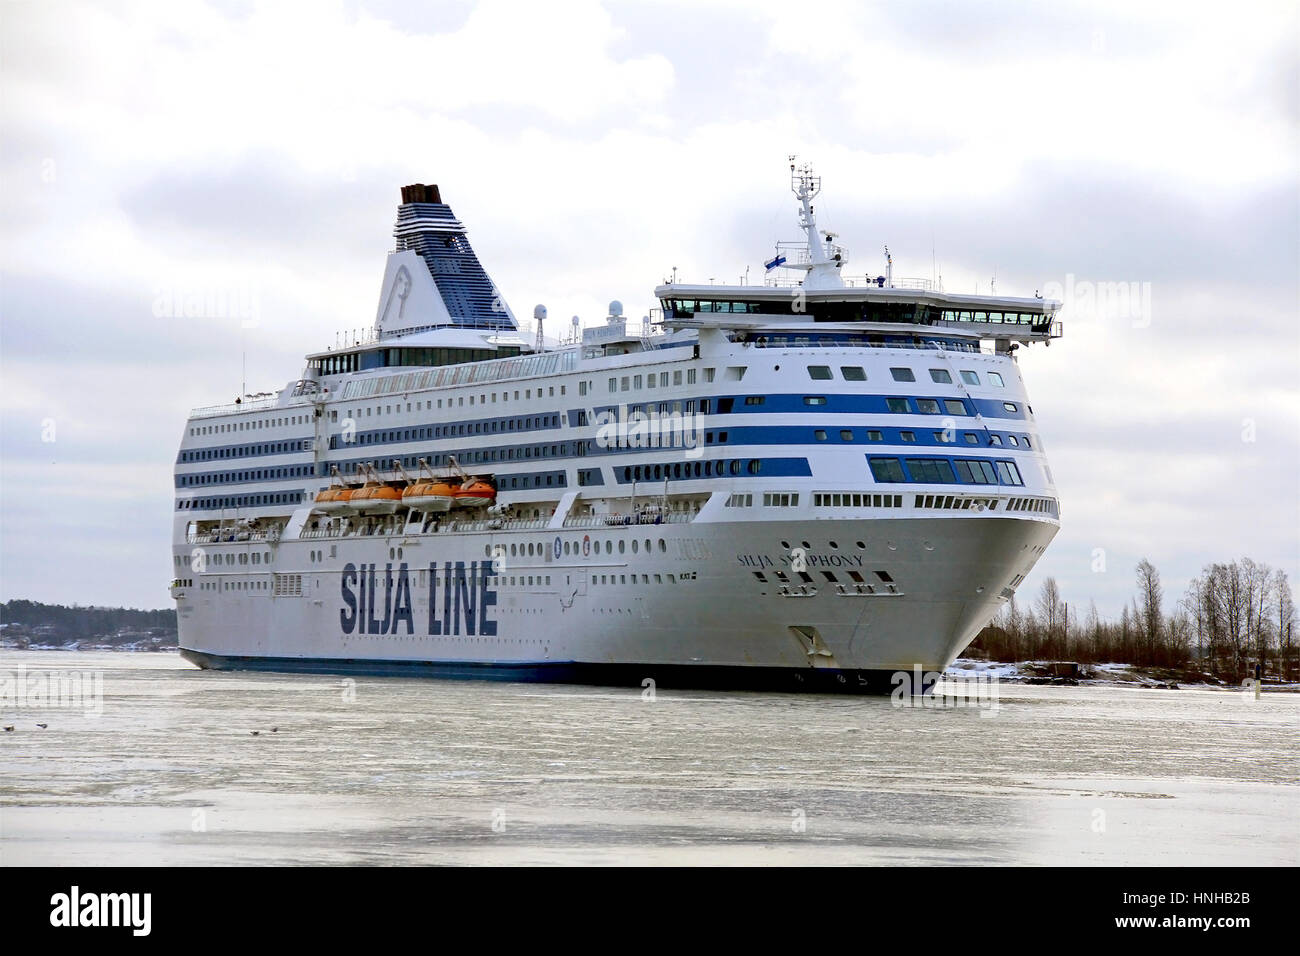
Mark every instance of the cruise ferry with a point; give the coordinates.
(812, 483)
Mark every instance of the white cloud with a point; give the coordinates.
(180, 145)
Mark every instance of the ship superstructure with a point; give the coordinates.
(812, 483)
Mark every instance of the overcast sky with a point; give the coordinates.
(154, 151)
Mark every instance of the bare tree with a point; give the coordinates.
(1050, 610)
(1150, 597)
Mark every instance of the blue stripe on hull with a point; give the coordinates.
(665, 676)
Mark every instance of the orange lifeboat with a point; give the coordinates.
(474, 493)
(375, 498)
(429, 496)
(333, 500)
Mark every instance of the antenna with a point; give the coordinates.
(539, 315)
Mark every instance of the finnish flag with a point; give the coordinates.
(774, 262)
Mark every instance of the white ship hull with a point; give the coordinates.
(696, 615)
(808, 488)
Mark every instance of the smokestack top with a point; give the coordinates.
(419, 192)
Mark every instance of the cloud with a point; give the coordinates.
(193, 150)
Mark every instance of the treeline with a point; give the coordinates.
(82, 623)
(1231, 616)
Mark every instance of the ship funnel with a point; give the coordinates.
(421, 193)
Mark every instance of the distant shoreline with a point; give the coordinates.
(1100, 675)
(1023, 672)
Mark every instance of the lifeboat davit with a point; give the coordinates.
(375, 499)
(333, 500)
(474, 493)
(429, 496)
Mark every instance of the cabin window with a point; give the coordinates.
(819, 372)
(996, 379)
(853, 373)
(954, 406)
(940, 376)
(927, 406)
(903, 374)
(897, 405)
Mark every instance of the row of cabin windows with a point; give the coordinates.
(250, 424)
(483, 398)
(854, 499)
(704, 469)
(947, 436)
(625, 383)
(235, 477)
(974, 471)
(940, 376)
(245, 451)
(243, 501)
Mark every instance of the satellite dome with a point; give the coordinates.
(616, 307)
(539, 312)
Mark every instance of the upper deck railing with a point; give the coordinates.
(211, 411)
